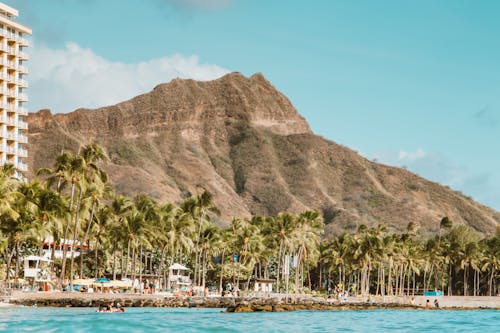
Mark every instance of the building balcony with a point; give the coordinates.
(22, 125)
(12, 36)
(22, 69)
(11, 122)
(10, 108)
(22, 166)
(22, 138)
(22, 83)
(23, 41)
(22, 153)
(10, 136)
(22, 97)
(22, 111)
(10, 150)
(23, 56)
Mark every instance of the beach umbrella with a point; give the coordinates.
(83, 282)
(179, 267)
(121, 284)
(101, 280)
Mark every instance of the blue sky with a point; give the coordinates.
(409, 83)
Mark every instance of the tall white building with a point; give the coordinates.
(13, 128)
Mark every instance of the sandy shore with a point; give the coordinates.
(158, 300)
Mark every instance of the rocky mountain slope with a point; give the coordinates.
(242, 140)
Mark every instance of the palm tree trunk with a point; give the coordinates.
(203, 267)
(221, 270)
(475, 282)
(396, 280)
(297, 269)
(490, 282)
(465, 280)
(53, 255)
(309, 276)
(450, 291)
(9, 263)
(414, 283)
(96, 254)
(133, 263)
(73, 245)
(383, 288)
(389, 279)
(127, 259)
(122, 263)
(197, 252)
(140, 266)
(279, 267)
(85, 237)
(66, 233)
(114, 260)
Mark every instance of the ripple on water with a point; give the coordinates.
(152, 320)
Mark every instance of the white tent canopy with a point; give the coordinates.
(36, 258)
(179, 267)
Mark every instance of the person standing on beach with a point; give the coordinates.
(428, 304)
(436, 303)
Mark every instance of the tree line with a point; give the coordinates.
(124, 237)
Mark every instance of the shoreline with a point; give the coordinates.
(278, 303)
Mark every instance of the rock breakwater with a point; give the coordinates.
(244, 304)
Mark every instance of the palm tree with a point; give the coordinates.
(95, 192)
(50, 212)
(223, 244)
(23, 228)
(200, 208)
(283, 229)
(103, 234)
(121, 207)
(310, 227)
(176, 229)
(491, 261)
(90, 174)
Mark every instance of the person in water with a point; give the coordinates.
(119, 308)
(110, 307)
(436, 303)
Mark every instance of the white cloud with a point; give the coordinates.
(437, 167)
(73, 77)
(412, 156)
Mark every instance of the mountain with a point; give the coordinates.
(243, 141)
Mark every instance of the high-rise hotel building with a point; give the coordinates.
(13, 128)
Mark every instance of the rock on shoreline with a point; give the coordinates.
(241, 304)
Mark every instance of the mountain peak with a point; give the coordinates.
(241, 139)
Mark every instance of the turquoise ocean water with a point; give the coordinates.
(150, 320)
